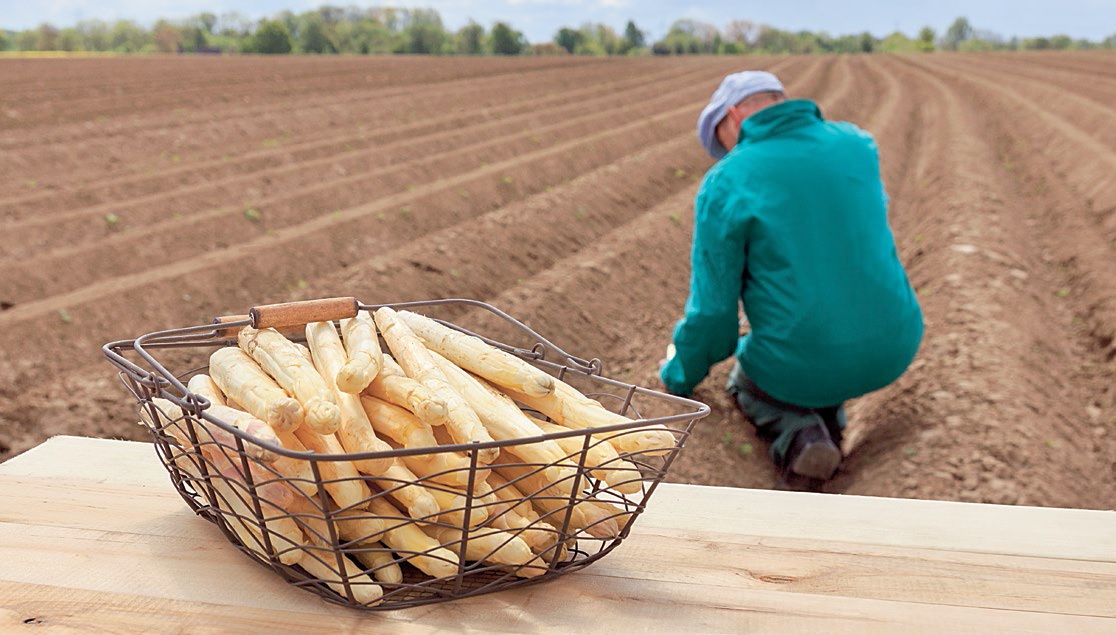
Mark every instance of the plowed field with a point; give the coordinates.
(142, 194)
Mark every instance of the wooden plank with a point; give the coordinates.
(995, 529)
(99, 460)
(203, 568)
(100, 529)
(866, 571)
(567, 605)
(922, 524)
(706, 557)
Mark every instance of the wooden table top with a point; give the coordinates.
(93, 538)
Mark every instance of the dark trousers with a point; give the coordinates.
(777, 421)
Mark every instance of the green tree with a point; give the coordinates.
(193, 38)
(743, 33)
(423, 33)
(47, 39)
(128, 37)
(4, 41)
(272, 38)
(926, 38)
(867, 42)
(371, 37)
(897, 42)
(167, 38)
(1061, 42)
(95, 35)
(469, 40)
(957, 33)
(688, 36)
(506, 40)
(207, 21)
(69, 40)
(569, 39)
(634, 38)
(611, 43)
(26, 40)
(313, 37)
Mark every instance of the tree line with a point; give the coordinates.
(382, 30)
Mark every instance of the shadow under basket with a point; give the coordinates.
(359, 529)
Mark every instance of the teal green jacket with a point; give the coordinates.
(793, 222)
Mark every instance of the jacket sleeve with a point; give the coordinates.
(709, 330)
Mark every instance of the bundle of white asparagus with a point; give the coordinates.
(434, 386)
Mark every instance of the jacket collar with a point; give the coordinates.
(773, 120)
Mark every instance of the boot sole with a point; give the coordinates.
(817, 460)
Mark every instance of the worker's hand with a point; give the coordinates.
(669, 354)
(662, 363)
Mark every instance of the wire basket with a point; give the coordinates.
(364, 537)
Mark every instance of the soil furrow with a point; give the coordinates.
(168, 141)
(473, 107)
(117, 194)
(36, 277)
(989, 334)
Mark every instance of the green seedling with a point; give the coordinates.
(1063, 292)
(679, 173)
(302, 284)
(112, 220)
(506, 180)
(65, 316)
(745, 449)
(580, 213)
(252, 214)
(676, 217)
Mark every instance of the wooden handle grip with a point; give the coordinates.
(280, 316)
(225, 319)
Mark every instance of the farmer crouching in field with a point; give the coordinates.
(792, 220)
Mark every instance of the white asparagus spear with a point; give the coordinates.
(621, 475)
(474, 355)
(283, 360)
(504, 420)
(355, 432)
(364, 359)
(399, 425)
(408, 350)
(409, 542)
(242, 380)
(570, 408)
(399, 389)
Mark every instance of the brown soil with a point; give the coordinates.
(560, 191)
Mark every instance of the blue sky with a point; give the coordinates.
(539, 19)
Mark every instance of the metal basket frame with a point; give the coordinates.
(192, 444)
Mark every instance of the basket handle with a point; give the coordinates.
(291, 314)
